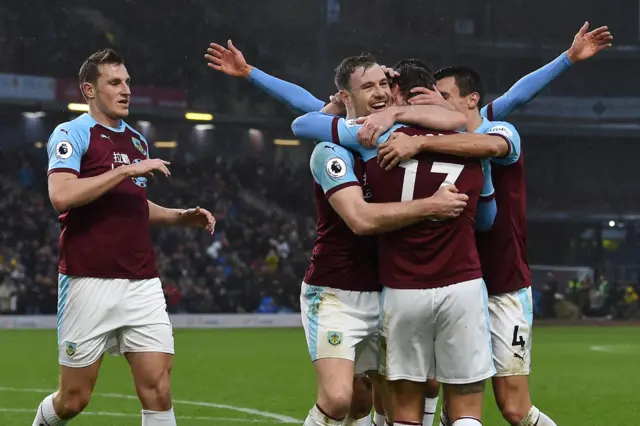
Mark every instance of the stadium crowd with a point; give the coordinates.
(254, 262)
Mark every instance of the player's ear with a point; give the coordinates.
(88, 90)
(473, 100)
(345, 97)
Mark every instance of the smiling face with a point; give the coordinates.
(368, 91)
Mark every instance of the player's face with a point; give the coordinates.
(451, 93)
(112, 91)
(370, 91)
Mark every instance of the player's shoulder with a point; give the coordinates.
(503, 128)
(331, 159)
(74, 133)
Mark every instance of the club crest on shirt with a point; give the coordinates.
(139, 146)
(64, 150)
(334, 338)
(336, 167)
(70, 348)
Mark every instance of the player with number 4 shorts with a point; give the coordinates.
(430, 271)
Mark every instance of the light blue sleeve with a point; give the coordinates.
(319, 126)
(511, 135)
(294, 96)
(67, 144)
(332, 167)
(526, 89)
(487, 209)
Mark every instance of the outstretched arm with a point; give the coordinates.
(585, 45)
(231, 61)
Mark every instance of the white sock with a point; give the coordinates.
(158, 418)
(467, 421)
(430, 407)
(46, 415)
(444, 420)
(318, 418)
(535, 418)
(378, 419)
(365, 421)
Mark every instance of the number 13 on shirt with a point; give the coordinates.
(452, 172)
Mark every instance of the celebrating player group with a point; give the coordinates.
(419, 275)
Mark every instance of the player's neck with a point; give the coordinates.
(474, 120)
(103, 119)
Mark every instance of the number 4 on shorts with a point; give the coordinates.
(517, 340)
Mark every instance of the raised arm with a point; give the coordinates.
(585, 45)
(231, 61)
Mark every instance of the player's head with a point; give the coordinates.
(364, 87)
(104, 82)
(461, 86)
(411, 73)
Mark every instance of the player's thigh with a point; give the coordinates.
(337, 322)
(335, 382)
(407, 333)
(88, 315)
(511, 317)
(146, 324)
(463, 340)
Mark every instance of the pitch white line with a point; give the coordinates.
(109, 414)
(274, 416)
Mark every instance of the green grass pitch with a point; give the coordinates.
(582, 376)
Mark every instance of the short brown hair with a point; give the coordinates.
(412, 73)
(348, 66)
(90, 69)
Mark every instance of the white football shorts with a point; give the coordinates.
(440, 333)
(98, 315)
(511, 317)
(341, 324)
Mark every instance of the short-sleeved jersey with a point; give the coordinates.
(503, 249)
(109, 237)
(428, 254)
(340, 259)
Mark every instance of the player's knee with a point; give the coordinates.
(514, 412)
(155, 394)
(336, 402)
(72, 402)
(431, 389)
(362, 398)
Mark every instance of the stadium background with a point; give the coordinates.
(245, 166)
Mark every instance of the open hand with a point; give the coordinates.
(227, 60)
(198, 218)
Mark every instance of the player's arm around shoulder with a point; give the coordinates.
(509, 149)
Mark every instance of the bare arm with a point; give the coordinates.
(162, 216)
(400, 147)
(67, 191)
(375, 218)
(436, 117)
(465, 144)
